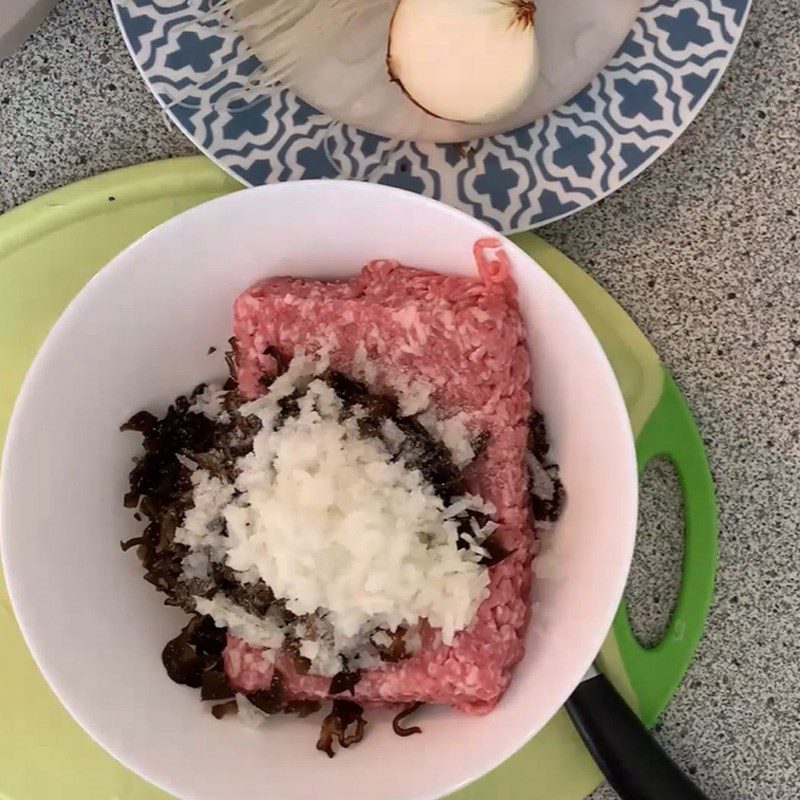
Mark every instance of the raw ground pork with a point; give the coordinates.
(466, 339)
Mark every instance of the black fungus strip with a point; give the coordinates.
(255, 598)
(141, 422)
(161, 476)
(345, 681)
(131, 500)
(538, 443)
(548, 509)
(479, 443)
(271, 700)
(419, 450)
(281, 361)
(129, 543)
(215, 463)
(302, 665)
(354, 393)
(182, 661)
(396, 649)
(232, 359)
(289, 407)
(464, 525)
(303, 708)
(208, 638)
(497, 552)
(225, 709)
(345, 713)
(215, 686)
(404, 714)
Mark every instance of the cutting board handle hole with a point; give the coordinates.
(657, 562)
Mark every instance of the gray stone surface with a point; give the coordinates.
(703, 252)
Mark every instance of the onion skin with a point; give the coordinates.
(393, 77)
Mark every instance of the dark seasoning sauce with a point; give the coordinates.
(161, 492)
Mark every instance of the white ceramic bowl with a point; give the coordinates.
(137, 336)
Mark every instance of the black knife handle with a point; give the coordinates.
(627, 754)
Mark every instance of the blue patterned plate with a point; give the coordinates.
(653, 87)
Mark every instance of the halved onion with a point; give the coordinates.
(469, 61)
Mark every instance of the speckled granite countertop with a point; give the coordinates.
(702, 250)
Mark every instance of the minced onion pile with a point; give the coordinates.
(336, 524)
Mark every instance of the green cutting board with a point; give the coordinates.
(50, 247)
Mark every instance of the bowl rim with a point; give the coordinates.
(17, 593)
